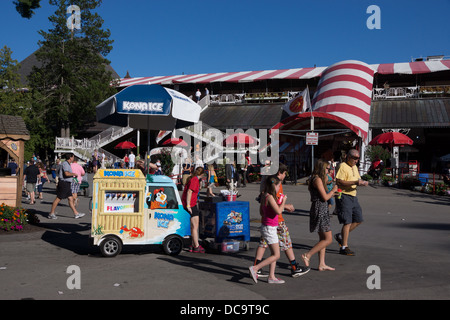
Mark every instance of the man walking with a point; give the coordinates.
(31, 175)
(230, 175)
(64, 188)
(349, 210)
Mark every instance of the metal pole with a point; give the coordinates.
(312, 146)
(138, 151)
(147, 160)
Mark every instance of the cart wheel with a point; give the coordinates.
(172, 245)
(111, 247)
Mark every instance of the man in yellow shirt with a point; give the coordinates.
(349, 210)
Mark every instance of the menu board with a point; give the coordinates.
(121, 202)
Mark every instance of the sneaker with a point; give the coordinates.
(275, 281)
(79, 215)
(338, 238)
(346, 252)
(299, 271)
(262, 274)
(199, 249)
(52, 216)
(253, 274)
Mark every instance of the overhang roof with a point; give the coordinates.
(416, 67)
(256, 116)
(410, 113)
(13, 127)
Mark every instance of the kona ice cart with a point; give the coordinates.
(129, 208)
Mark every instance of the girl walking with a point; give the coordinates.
(319, 216)
(211, 180)
(270, 210)
(43, 178)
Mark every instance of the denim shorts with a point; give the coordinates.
(349, 210)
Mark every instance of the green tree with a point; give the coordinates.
(9, 67)
(377, 151)
(26, 7)
(13, 100)
(18, 101)
(72, 79)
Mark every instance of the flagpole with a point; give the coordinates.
(312, 130)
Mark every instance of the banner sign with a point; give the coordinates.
(143, 101)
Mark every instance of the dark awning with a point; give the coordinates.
(412, 113)
(263, 116)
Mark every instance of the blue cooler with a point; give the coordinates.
(232, 220)
(226, 222)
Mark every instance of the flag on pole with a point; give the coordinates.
(345, 91)
(161, 135)
(299, 104)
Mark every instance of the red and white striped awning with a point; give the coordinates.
(345, 91)
(415, 67)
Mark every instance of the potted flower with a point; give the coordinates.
(11, 218)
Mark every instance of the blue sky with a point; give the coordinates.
(153, 38)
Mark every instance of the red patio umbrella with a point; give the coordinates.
(392, 139)
(125, 145)
(175, 142)
(239, 138)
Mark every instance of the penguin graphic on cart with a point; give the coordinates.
(157, 200)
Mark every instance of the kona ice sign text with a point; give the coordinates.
(143, 107)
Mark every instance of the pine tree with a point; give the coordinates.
(72, 79)
(26, 7)
(14, 100)
(17, 101)
(9, 67)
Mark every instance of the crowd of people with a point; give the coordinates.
(325, 185)
(67, 175)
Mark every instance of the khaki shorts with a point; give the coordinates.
(30, 187)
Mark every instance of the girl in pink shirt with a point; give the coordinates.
(270, 210)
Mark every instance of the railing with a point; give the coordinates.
(205, 102)
(72, 144)
(410, 92)
(109, 135)
(84, 148)
(233, 98)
